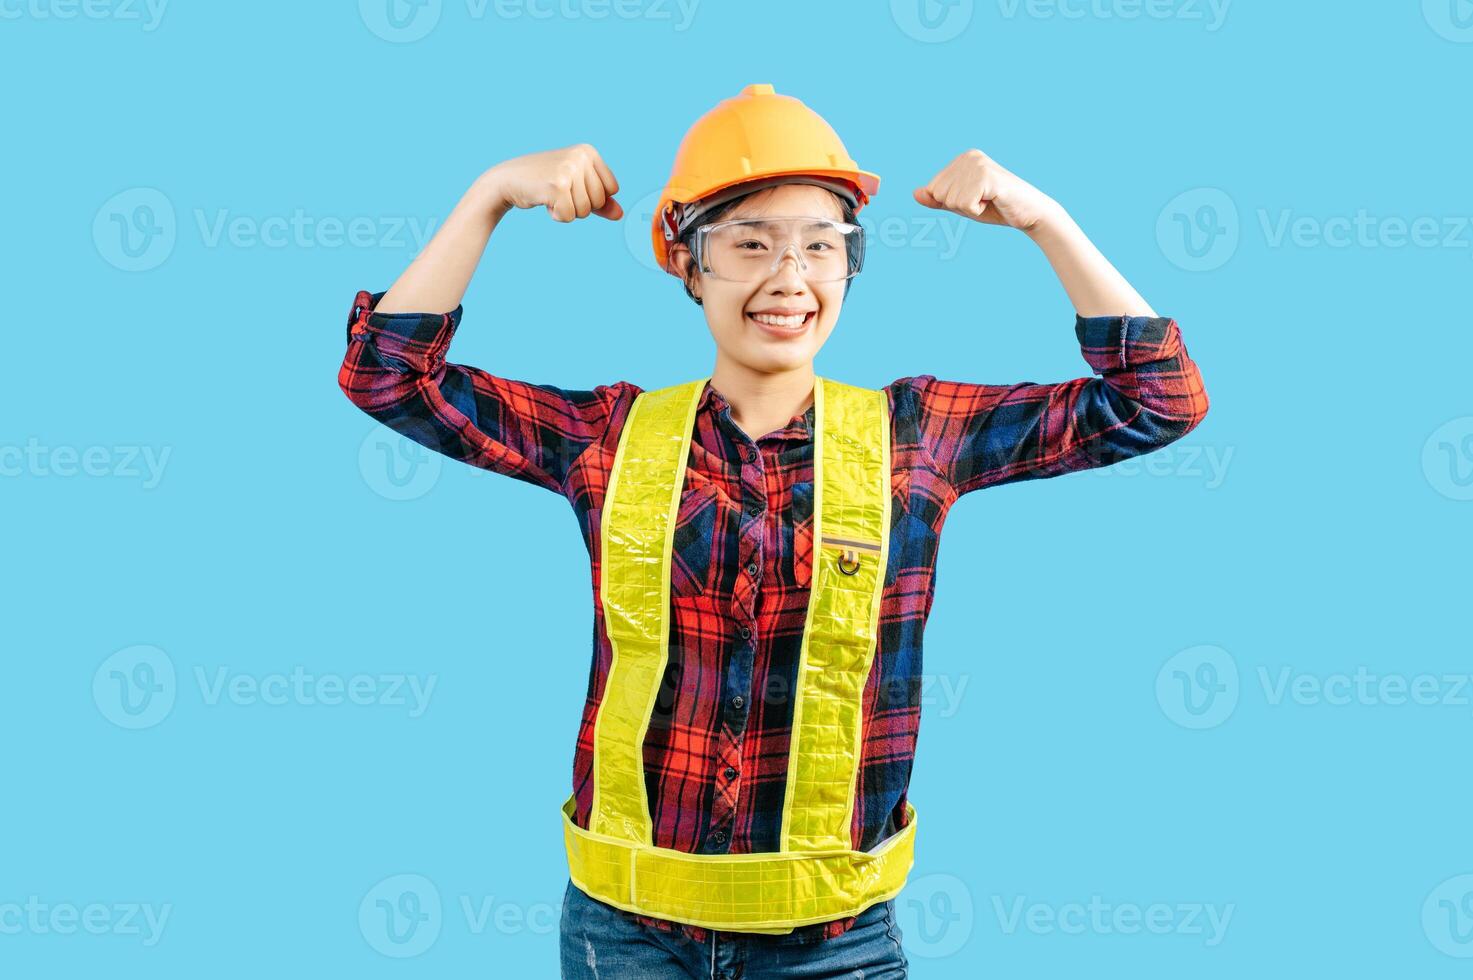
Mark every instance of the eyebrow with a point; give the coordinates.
(768, 225)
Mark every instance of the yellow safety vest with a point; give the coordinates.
(815, 876)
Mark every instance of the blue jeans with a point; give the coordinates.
(600, 942)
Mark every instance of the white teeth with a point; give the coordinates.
(780, 321)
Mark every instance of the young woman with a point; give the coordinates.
(763, 540)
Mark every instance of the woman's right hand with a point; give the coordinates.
(571, 182)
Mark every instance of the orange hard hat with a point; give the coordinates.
(746, 142)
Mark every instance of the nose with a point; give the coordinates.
(791, 273)
(797, 256)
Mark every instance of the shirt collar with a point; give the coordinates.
(799, 427)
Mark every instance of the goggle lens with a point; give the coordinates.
(751, 249)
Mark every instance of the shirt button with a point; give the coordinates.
(738, 701)
(719, 837)
(754, 509)
(751, 568)
(730, 773)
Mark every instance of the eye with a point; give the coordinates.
(822, 246)
(751, 242)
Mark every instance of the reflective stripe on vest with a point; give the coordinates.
(816, 875)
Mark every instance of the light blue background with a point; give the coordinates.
(1317, 522)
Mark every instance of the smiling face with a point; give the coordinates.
(779, 323)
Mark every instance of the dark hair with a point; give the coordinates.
(720, 211)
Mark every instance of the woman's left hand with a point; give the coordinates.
(976, 186)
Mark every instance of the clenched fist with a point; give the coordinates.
(976, 186)
(572, 182)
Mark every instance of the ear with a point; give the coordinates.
(683, 262)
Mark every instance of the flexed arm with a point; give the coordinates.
(396, 370)
(572, 182)
(1149, 392)
(976, 186)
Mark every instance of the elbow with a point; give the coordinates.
(351, 382)
(1186, 401)
(1192, 402)
(1173, 402)
(346, 386)
(1163, 425)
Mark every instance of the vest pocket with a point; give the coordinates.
(797, 566)
(692, 559)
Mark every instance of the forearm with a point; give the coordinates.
(435, 282)
(1093, 284)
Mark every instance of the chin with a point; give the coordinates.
(791, 362)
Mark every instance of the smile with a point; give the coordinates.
(783, 325)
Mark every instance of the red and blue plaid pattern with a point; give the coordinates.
(717, 747)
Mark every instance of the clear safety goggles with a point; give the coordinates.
(751, 249)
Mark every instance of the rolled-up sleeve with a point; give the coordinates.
(395, 369)
(1149, 393)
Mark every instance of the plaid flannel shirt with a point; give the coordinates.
(716, 751)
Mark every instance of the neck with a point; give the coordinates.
(763, 402)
